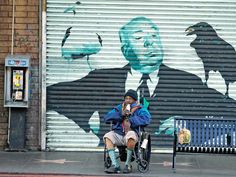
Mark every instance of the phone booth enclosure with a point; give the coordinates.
(16, 84)
(16, 97)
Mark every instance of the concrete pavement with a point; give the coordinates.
(37, 164)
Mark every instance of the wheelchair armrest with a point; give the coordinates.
(108, 122)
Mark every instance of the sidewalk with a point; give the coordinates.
(91, 164)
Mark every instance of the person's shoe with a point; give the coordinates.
(112, 169)
(127, 169)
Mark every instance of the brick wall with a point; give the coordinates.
(26, 42)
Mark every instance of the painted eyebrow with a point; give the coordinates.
(153, 28)
(138, 31)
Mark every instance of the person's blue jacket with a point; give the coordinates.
(140, 117)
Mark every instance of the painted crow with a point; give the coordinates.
(216, 54)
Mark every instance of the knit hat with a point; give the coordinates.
(132, 94)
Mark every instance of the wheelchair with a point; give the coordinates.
(141, 153)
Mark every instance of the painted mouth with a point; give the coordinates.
(151, 54)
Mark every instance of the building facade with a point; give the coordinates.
(26, 40)
(80, 65)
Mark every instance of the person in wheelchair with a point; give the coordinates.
(126, 118)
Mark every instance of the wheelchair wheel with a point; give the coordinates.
(146, 153)
(107, 159)
(107, 162)
(144, 156)
(143, 166)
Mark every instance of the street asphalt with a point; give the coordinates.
(51, 164)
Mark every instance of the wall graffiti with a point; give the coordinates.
(72, 8)
(173, 92)
(75, 52)
(72, 52)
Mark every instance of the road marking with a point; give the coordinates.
(169, 164)
(57, 161)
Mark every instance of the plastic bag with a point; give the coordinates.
(184, 136)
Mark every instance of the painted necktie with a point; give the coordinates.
(143, 88)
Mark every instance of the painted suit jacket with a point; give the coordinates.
(178, 93)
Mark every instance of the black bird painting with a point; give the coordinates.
(216, 53)
(79, 51)
(67, 34)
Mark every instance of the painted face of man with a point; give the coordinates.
(141, 45)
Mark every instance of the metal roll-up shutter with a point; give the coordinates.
(80, 87)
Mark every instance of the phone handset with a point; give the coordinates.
(17, 84)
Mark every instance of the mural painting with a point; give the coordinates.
(165, 91)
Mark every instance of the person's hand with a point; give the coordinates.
(126, 110)
(126, 113)
(126, 125)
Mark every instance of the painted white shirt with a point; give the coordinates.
(133, 78)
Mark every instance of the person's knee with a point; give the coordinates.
(131, 143)
(109, 143)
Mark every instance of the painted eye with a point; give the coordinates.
(137, 38)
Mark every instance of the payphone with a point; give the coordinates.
(16, 84)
